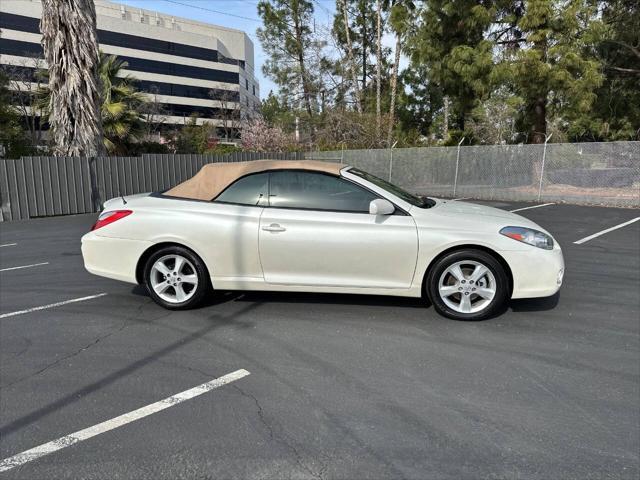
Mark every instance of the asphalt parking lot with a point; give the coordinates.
(340, 386)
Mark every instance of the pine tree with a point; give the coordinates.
(361, 20)
(449, 40)
(615, 114)
(546, 60)
(286, 37)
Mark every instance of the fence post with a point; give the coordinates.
(94, 189)
(455, 178)
(544, 157)
(391, 159)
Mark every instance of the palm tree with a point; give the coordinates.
(120, 107)
(378, 62)
(70, 44)
(122, 119)
(400, 12)
(352, 63)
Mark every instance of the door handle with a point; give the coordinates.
(274, 227)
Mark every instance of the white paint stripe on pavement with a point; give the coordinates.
(23, 266)
(462, 198)
(8, 245)
(51, 305)
(87, 433)
(595, 235)
(529, 208)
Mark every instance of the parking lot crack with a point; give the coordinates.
(274, 437)
(67, 357)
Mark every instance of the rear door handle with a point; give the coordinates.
(274, 227)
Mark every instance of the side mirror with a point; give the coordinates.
(380, 206)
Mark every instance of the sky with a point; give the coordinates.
(239, 14)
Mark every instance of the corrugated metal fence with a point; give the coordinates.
(46, 186)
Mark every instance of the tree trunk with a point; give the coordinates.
(352, 64)
(538, 134)
(539, 120)
(394, 87)
(538, 112)
(70, 46)
(303, 71)
(378, 65)
(365, 46)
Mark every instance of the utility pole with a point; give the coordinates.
(445, 124)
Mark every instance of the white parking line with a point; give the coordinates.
(8, 245)
(51, 305)
(87, 433)
(529, 208)
(462, 198)
(595, 235)
(23, 266)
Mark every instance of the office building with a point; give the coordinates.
(185, 66)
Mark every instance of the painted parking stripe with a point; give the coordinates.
(23, 266)
(529, 208)
(461, 198)
(87, 433)
(51, 305)
(8, 245)
(596, 235)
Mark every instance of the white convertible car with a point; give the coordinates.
(319, 227)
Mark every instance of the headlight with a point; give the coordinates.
(530, 236)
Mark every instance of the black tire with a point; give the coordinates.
(502, 286)
(200, 290)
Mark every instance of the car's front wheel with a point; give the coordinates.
(176, 278)
(467, 285)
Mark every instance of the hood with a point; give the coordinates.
(451, 207)
(471, 215)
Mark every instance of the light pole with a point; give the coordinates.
(455, 178)
(544, 157)
(391, 159)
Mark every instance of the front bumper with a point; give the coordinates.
(536, 272)
(114, 258)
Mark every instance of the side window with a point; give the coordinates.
(249, 190)
(306, 190)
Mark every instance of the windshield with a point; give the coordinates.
(394, 189)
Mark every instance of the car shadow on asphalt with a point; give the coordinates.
(333, 299)
(223, 296)
(535, 304)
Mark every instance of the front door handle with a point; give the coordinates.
(274, 227)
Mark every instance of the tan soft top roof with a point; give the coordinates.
(213, 178)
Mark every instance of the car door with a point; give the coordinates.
(233, 224)
(317, 230)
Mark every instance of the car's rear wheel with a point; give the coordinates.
(467, 285)
(176, 278)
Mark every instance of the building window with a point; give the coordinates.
(254, 90)
(106, 37)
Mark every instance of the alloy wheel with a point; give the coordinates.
(174, 278)
(467, 286)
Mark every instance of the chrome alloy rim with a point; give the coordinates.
(467, 286)
(174, 278)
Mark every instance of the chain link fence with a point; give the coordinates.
(585, 173)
